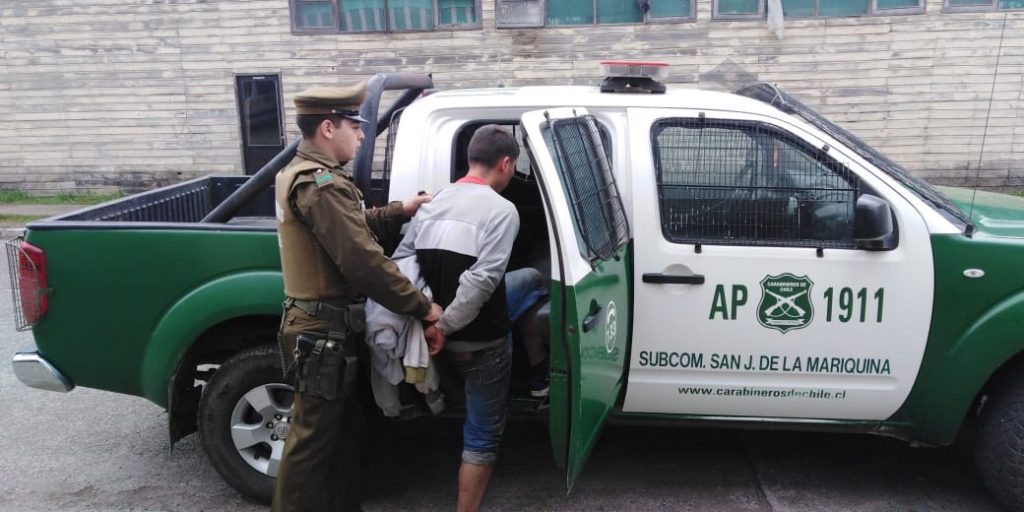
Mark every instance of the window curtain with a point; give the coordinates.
(456, 12)
(361, 15)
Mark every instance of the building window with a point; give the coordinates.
(312, 16)
(984, 5)
(555, 13)
(806, 8)
(755, 9)
(349, 16)
(739, 9)
(884, 7)
(822, 8)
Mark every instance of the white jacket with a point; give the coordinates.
(398, 350)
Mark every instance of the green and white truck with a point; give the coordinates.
(714, 259)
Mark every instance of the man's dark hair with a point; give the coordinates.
(309, 122)
(490, 143)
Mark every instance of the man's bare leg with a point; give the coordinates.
(473, 480)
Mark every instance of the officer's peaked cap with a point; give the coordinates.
(342, 101)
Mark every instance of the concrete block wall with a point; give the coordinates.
(98, 95)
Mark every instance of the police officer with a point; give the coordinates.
(330, 259)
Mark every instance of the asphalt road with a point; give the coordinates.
(92, 450)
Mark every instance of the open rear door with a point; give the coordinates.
(592, 269)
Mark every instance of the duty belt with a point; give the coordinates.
(320, 309)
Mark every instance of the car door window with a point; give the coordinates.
(749, 183)
(590, 185)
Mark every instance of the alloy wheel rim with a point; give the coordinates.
(260, 423)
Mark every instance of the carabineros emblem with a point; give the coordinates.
(785, 302)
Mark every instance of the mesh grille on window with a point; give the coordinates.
(746, 183)
(590, 184)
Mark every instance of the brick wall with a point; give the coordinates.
(104, 94)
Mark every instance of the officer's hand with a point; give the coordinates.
(435, 339)
(434, 314)
(409, 206)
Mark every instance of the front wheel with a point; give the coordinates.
(244, 418)
(999, 452)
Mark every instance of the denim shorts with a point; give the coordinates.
(486, 373)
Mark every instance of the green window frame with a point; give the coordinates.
(756, 9)
(370, 16)
(739, 9)
(572, 13)
(891, 7)
(848, 8)
(314, 16)
(982, 5)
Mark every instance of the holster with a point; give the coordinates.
(327, 366)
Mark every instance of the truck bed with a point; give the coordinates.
(179, 206)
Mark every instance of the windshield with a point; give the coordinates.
(767, 93)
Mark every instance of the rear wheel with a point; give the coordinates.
(244, 418)
(999, 452)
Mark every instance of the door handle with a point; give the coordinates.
(665, 279)
(592, 319)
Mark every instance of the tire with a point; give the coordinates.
(999, 452)
(244, 416)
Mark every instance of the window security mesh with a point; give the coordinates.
(590, 185)
(746, 183)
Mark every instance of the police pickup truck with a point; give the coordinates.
(726, 259)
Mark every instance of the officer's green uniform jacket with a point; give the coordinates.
(329, 248)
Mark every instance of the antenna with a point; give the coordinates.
(984, 133)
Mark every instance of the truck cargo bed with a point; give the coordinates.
(180, 206)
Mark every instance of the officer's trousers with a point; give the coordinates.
(320, 467)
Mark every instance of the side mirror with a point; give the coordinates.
(872, 224)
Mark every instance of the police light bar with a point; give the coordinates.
(633, 76)
(634, 69)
